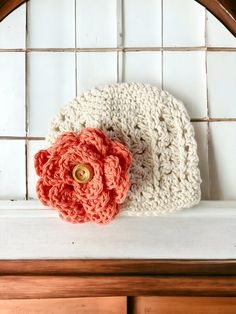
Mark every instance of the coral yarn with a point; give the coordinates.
(99, 199)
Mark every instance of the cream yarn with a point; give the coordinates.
(157, 130)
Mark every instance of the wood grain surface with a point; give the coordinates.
(118, 305)
(7, 6)
(23, 287)
(118, 267)
(224, 10)
(182, 305)
(102, 305)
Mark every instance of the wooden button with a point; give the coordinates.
(82, 173)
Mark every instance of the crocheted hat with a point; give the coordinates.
(104, 129)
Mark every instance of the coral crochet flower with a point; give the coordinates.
(84, 175)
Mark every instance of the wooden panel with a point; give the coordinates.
(182, 305)
(118, 267)
(7, 6)
(102, 305)
(21, 287)
(224, 10)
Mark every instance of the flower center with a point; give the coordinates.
(82, 173)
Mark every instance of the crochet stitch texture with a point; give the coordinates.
(97, 200)
(156, 128)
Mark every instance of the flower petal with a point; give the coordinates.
(106, 215)
(67, 138)
(75, 215)
(121, 151)
(85, 152)
(98, 204)
(50, 171)
(39, 160)
(95, 139)
(62, 198)
(42, 191)
(63, 142)
(112, 171)
(122, 189)
(96, 200)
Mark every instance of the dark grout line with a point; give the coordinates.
(26, 171)
(26, 104)
(208, 161)
(208, 113)
(162, 42)
(213, 120)
(25, 138)
(121, 53)
(122, 49)
(222, 49)
(41, 138)
(76, 62)
(119, 39)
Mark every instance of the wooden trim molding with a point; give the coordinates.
(39, 287)
(224, 10)
(32, 279)
(7, 6)
(70, 267)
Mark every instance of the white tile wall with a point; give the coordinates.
(184, 75)
(222, 156)
(51, 83)
(183, 23)
(143, 67)
(55, 77)
(96, 23)
(12, 29)
(95, 68)
(142, 23)
(12, 93)
(33, 148)
(51, 24)
(221, 68)
(12, 169)
(201, 135)
(217, 34)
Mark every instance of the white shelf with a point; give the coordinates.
(28, 230)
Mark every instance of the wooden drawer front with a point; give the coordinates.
(182, 305)
(118, 305)
(101, 305)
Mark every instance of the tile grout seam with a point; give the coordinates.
(76, 63)
(26, 105)
(200, 120)
(119, 40)
(121, 49)
(208, 112)
(162, 41)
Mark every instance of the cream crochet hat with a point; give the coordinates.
(157, 130)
